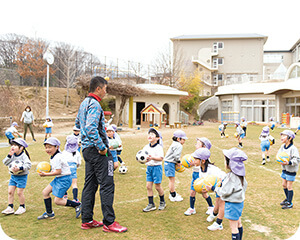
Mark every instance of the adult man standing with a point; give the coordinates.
(99, 167)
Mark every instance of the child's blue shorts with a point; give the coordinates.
(73, 168)
(242, 135)
(60, 185)
(48, 130)
(233, 211)
(194, 177)
(288, 177)
(169, 169)
(265, 145)
(154, 174)
(9, 135)
(114, 155)
(299, 127)
(18, 181)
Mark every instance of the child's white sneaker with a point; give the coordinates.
(123, 163)
(215, 226)
(8, 210)
(211, 217)
(190, 211)
(177, 198)
(20, 210)
(210, 210)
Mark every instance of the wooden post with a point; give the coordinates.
(130, 120)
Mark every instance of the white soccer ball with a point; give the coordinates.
(16, 163)
(141, 156)
(123, 169)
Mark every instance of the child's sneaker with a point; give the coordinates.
(115, 227)
(93, 224)
(210, 210)
(78, 210)
(162, 205)
(215, 226)
(211, 217)
(287, 206)
(123, 163)
(20, 210)
(263, 162)
(8, 210)
(150, 207)
(190, 211)
(46, 215)
(284, 202)
(177, 198)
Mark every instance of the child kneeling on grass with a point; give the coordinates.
(60, 184)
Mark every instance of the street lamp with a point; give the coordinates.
(49, 58)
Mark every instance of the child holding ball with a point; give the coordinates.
(60, 184)
(111, 140)
(172, 159)
(18, 178)
(48, 127)
(240, 134)
(233, 190)
(265, 144)
(154, 169)
(289, 169)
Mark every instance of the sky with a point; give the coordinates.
(139, 30)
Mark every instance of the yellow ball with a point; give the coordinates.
(106, 78)
(282, 157)
(45, 125)
(212, 180)
(43, 167)
(179, 168)
(226, 135)
(199, 185)
(235, 134)
(186, 160)
(271, 140)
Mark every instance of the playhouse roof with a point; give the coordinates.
(162, 89)
(151, 108)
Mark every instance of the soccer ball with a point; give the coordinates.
(179, 168)
(282, 157)
(199, 185)
(114, 143)
(13, 164)
(235, 134)
(186, 160)
(43, 167)
(212, 180)
(141, 156)
(123, 169)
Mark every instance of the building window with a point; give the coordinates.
(226, 105)
(220, 77)
(220, 45)
(258, 110)
(273, 58)
(220, 61)
(292, 106)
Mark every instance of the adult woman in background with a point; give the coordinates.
(28, 118)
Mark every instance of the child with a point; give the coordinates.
(18, 179)
(233, 190)
(119, 149)
(48, 127)
(11, 132)
(222, 129)
(290, 169)
(272, 123)
(76, 133)
(244, 124)
(198, 172)
(297, 129)
(110, 134)
(154, 170)
(240, 134)
(265, 144)
(172, 159)
(73, 158)
(60, 184)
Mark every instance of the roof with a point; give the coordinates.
(219, 36)
(151, 108)
(162, 89)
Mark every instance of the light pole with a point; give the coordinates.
(49, 58)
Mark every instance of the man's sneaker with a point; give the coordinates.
(215, 226)
(78, 210)
(190, 211)
(263, 162)
(93, 224)
(150, 207)
(115, 227)
(46, 216)
(287, 206)
(123, 163)
(162, 205)
(76, 200)
(211, 217)
(210, 210)
(284, 202)
(8, 210)
(20, 210)
(240, 146)
(177, 198)
(34, 140)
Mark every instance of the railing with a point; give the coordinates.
(208, 104)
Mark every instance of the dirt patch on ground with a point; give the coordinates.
(262, 229)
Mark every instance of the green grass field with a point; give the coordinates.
(262, 217)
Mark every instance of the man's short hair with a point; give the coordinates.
(96, 82)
